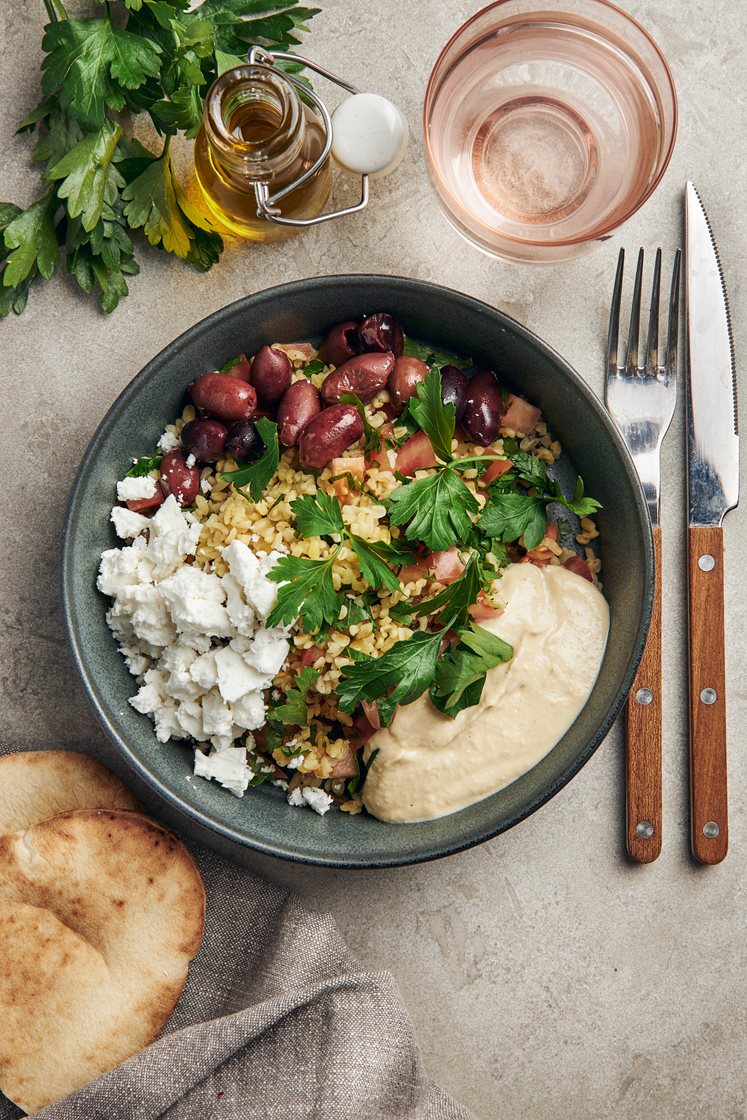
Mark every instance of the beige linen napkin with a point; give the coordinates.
(277, 1022)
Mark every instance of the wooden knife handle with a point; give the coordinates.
(643, 738)
(708, 815)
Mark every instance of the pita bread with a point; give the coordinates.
(37, 785)
(101, 912)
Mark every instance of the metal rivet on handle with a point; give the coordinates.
(644, 696)
(709, 696)
(711, 830)
(706, 563)
(644, 829)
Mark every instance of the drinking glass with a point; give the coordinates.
(547, 124)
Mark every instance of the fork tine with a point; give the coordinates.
(613, 335)
(631, 365)
(652, 344)
(673, 321)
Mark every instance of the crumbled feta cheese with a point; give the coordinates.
(250, 571)
(316, 799)
(168, 442)
(229, 768)
(216, 715)
(195, 640)
(205, 486)
(235, 677)
(195, 600)
(250, 711)
(269, 651)
(128, 524)
(294, 761)
(136, 661)
(132, 489)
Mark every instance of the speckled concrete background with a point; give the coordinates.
(547, 977)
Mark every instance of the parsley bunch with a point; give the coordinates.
(140, 56)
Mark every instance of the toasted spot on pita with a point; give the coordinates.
(100, 915)
(37, 785)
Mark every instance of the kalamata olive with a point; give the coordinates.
(330, 433)
(454, 389)
(270, 374)
(403, 383)
(482, 409)
(340, 343)
(227, 398)
(381, 332)
(205, 439)
(299, 404)
(244, 442)
(179, 479)
(366, 375)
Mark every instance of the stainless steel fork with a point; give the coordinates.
(640, 398)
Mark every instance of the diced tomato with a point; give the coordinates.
(355, 465)
(551, 532)
(364, 728)
(579, 566)
(309, 656)
(446, 566)
(371, 712)
(520, 416)
(413, 572)
(443, 566)
(416, 454)
(483, 609)
(379, 457)
(345, 767)
(142, 505)
(495, 470)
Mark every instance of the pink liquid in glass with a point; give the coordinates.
(543, 130)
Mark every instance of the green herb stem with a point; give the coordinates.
(478, 459)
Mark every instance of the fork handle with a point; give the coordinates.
(643, 738)
(708, 797)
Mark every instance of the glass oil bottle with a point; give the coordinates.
(255, 130)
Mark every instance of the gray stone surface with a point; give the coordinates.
(546, 976)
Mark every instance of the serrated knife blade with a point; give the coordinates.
(713, 440)
(713, 489)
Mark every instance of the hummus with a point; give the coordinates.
(429, 765)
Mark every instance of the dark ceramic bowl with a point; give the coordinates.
(262, 820)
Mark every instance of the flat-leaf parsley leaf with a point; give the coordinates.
(434, 417)
(307, 591)
(399, 676)
(257, 476)
(436, 510)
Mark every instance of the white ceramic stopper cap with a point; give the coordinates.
(369, 135)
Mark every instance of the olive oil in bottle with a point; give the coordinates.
(256, 130)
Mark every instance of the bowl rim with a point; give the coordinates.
(559, 243)
(211, 828)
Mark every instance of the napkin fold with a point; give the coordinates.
(277, 1022)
